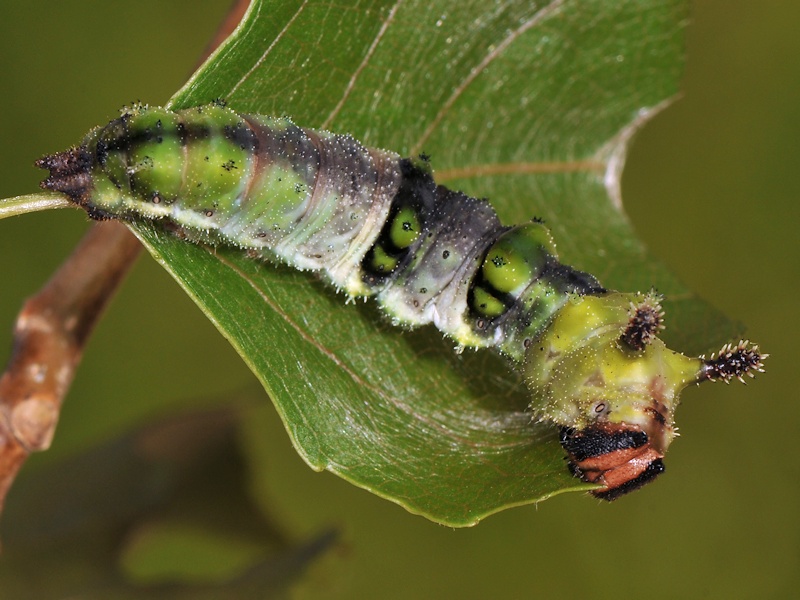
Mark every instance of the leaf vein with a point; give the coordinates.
(519, 168)
(477, 70)
(266, 52)
(370, 51)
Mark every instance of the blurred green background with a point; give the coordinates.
(712, 187)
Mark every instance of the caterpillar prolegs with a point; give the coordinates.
(375, 224)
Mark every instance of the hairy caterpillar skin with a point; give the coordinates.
(375, 224)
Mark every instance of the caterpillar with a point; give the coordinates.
(375, 224)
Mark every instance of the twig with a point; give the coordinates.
(54, 326)
(49, 337)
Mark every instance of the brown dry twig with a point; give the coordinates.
(54, 326)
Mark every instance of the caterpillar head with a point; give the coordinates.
(601, 373)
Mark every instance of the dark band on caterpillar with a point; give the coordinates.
(410, 216)
(620, 459)
(654, 469)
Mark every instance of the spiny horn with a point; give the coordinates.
(733, 360)
(646, 320)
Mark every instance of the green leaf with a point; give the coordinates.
(529, 104)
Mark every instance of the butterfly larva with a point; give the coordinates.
(375, 224)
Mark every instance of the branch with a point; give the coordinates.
(55, 324)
